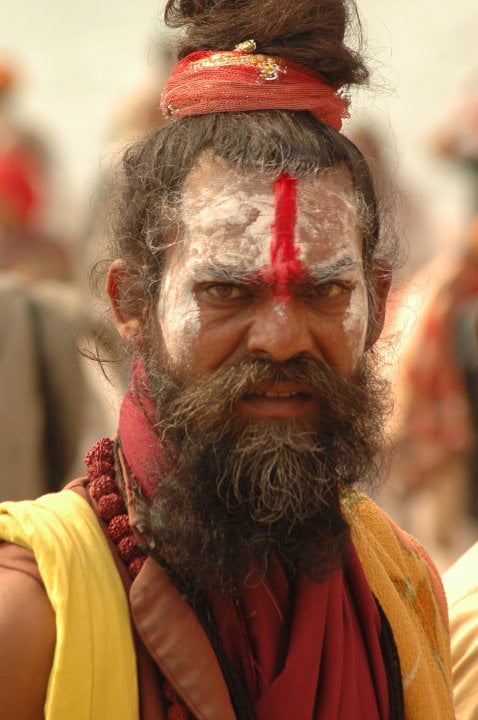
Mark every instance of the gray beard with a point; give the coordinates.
(231, 492)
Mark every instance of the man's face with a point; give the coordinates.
(219, 304)
(266, 406)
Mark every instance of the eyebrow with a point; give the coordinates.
(222, 271)
(319, 273)
(323, 272)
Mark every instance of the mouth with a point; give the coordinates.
(281, 401)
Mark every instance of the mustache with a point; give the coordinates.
(221, 390)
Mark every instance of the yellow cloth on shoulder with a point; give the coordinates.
(94, 668)
(409, 589)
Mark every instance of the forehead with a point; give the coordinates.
(228, 214)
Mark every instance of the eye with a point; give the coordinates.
(223, 291)
(333, 290)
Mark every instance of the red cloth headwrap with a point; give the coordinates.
(239, 80)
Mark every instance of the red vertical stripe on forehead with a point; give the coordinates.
(284, 254)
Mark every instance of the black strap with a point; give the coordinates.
(392, 666)
(237, 692)
(239, 698)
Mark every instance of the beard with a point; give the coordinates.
(234, 490)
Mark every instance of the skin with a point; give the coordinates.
(215, 308)
(27, 639)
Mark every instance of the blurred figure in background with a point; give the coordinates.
(434, 472)
(26, 244)
(55, 402)
(52, 401)
(137, 114)
(51, 398)
(412, 224)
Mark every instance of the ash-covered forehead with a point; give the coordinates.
(236, 227)
(230, 213)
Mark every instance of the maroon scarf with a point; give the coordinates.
(309, 655)
(305, 653)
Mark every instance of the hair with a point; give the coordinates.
(153, 170)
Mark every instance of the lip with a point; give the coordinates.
(282, 400)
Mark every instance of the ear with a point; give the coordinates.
(381, 278)
(127, 308)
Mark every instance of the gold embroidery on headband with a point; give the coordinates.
(269, 67)
(248, 46)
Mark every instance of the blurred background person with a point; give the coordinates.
(433, 489)
(27, 244)
(135, 114)
(55, 402)
(461, 586)
(51, 401)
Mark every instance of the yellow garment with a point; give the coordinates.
(94, 669)
(461, 585)
(409, 590)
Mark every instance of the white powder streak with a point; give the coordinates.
(178, 314)
(230, 228)
(356, 319)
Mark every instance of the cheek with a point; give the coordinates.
(178, 316)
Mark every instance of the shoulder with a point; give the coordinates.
(461, 586)
(80, 593)
(408, 587)
(43, 522)
(27, 635)
(382, 544)
(370, 524)
(394, 546)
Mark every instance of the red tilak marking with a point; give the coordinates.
(285, 265)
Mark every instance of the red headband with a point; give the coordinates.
(238, 80)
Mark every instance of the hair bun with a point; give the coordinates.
(178, 12)
(309, 32)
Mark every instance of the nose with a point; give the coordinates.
(280, 331)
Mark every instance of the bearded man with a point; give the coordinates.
(217, 561)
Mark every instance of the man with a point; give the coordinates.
(223, 566)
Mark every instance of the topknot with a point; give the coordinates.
(313, 33)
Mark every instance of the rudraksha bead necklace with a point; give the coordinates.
(110, 506)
